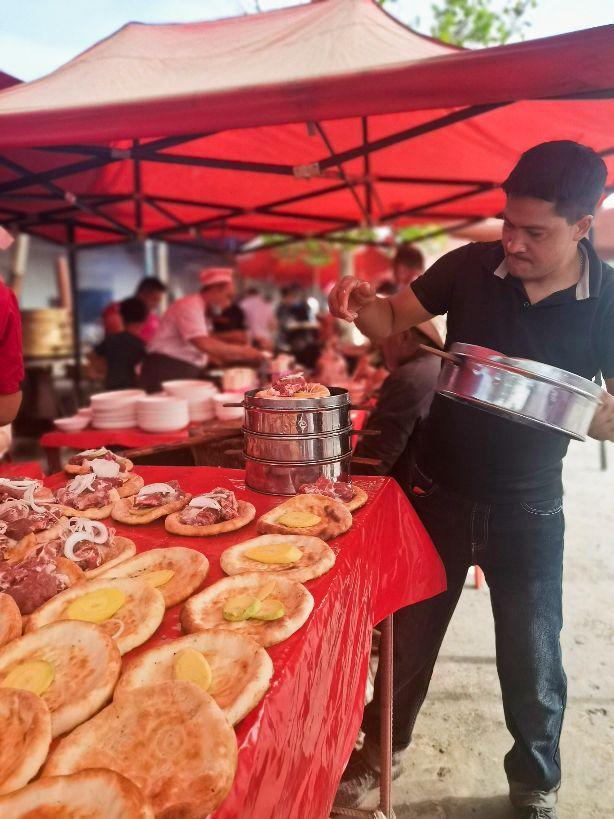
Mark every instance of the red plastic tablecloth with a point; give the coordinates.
(129, 438)
(294, 745)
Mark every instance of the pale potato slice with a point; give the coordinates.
(170, 739)
(316, 559)
(204, 610)
(93, 794)
(73, 666)
(189, 568)
(25, 736)
(130, 624)
(241, 669)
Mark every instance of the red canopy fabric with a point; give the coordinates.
(302, 122)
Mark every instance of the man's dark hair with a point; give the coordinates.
(570, 175)
(150, 285)
(133, 310)
(409, 256)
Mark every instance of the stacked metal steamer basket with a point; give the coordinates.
(294, 441)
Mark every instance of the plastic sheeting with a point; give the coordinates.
(294, 745)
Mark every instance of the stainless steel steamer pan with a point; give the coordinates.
(298, 448)
(528, 392)
(297, 416)
(286, 478)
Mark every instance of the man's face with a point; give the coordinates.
(152, 298)
(220, 296)
(536, 240)
(404, 274)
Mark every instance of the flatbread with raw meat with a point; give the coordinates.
(24, 489)
(153, 501)
(176, 571)
(353, 496)
(94, 547)
(296, 557)
(294, 385)
(130, 486)
(210, 514)
(25, 736)
(73, 666)
(127, 610)
(171, 739)
(80, 464)
(314, 515)
(88, 496)
(20, 518)
(229, 605)
(93, 794)
(236, 670)
(10, 619)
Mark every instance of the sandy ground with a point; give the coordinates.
(454, 767)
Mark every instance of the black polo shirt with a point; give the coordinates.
(469, 450)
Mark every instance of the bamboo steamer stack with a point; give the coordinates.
(293, 441)
(46, 332)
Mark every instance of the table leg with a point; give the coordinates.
(385, 668)
(53, 459)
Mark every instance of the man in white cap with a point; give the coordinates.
(183, 343)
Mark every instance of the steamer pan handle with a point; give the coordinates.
(366, 432)
(241, 404)
(238, 452)
(453, 359)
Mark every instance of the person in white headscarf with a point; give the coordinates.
(183, 343)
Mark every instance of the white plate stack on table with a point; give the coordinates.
(198, 394)
(160, 413)
(115, 410)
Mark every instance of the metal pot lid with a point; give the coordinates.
(536, 369)
(338, 397)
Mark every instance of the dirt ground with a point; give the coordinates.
(454, 767)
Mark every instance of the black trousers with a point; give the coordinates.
(157, 368)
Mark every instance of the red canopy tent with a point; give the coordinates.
(304, 121)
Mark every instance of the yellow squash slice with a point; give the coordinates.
(96, 606)
(35, 676)
(191, 665)
(274, 553)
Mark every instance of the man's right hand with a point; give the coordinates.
(349, 296)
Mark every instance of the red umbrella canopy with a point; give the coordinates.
(212, 133)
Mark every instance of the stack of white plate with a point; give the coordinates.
(198, 394)
(115, 410)
(162, 413)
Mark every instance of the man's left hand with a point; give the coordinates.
(602, 426)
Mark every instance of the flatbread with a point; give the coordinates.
(10, 620)
(247, 512)
(25, 736)
(189, 566)
(335, 517)
(130, 626)
(359, 499)
(131, 486)
(124, 511)
(93, 794)
(318, 557)
(122, 548)
(86, 665)
(241, 669)
(170, 739)
(95, 513)
(204, 610)
(125, 465)
(53, 532)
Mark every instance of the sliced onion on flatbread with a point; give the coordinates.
(206, 609)
(240, 669)
(10, 619)
(73, 666)
(93, 794)
(314, 515)
(125, 464)
(25, 736)
(171, 739)
(176, 571)
(132, 485)
(95, 512)
(359, 500)
(120, 550)
(247, 512)
(127, 610)
(125, 511)
(296, 557)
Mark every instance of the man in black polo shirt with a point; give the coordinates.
(488, 490)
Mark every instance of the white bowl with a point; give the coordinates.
(227, 413)
(189, 389)
(74, 423)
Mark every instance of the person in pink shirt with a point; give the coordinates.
(150, 291)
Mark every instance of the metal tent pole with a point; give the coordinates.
(74, 290)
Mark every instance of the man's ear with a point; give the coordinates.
(582, 227)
